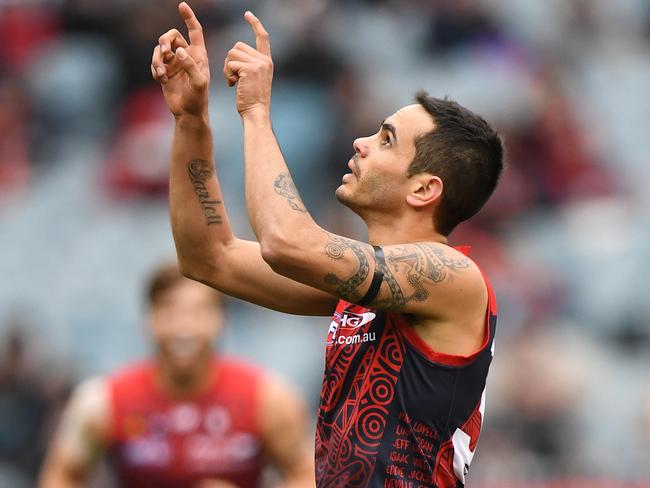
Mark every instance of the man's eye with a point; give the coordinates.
(385, 141)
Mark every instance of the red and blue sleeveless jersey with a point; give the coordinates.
(393, 412)
(163, 442)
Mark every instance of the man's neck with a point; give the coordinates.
(402, 231)
(186, 381)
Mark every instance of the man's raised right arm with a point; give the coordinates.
(206, 247)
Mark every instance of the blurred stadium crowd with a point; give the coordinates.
(84, 144)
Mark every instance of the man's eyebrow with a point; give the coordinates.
(390, 128)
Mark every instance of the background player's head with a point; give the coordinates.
(185, 317)
(435, 157)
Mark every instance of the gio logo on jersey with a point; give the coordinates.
(345, 324)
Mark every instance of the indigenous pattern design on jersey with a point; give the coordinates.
(394, 413)
(158, 441)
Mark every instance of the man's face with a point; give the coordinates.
(379, 168)
(184, 322)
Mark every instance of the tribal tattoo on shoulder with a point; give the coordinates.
(421, 263)
(200, 171)
(284, 186)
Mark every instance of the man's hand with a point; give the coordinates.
(251, 70)
(182, 69)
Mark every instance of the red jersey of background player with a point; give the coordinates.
(185, 418)
(159, 441)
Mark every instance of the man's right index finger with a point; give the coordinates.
(194, 28)
(262, 42)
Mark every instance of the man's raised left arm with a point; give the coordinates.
(417, 278)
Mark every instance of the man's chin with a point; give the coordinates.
(346, 197)
(185, 360)
(183, 364)
(342, 195)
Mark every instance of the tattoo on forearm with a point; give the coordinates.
(200, 171)
(348, 288)
(285, 187)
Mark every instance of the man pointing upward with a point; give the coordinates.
(410, 341)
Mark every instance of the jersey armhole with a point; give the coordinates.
(112, 422)
(119, 385)
(455, 360)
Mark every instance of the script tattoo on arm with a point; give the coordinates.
(200, 171)
(348, 288)
(284, 186)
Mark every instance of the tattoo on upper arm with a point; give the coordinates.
(420, 263)
(200, 171)
(348, 288)
(285, 187)
(396, 299)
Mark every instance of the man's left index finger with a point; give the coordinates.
(194, 28)
(262, 42)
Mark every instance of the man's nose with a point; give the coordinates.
(361, 146)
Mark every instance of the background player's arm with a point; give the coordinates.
(80, 439)
(427, 279)
(206, 247)
(286, 439)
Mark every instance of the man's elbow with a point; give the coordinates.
(200, 267)
(186, 267)
(278, 252)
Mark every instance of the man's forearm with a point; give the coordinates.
(198, 216)
(273, 203)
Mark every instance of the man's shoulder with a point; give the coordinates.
(434, 280)
(90, 402)
(437, 260)
(90, 388)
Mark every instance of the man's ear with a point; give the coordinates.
(425, 190)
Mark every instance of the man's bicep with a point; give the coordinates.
(242, 273)
(79, 440)
(421, 278)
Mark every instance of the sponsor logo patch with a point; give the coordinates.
(342, 328)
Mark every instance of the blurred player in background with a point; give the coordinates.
(188, 418)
